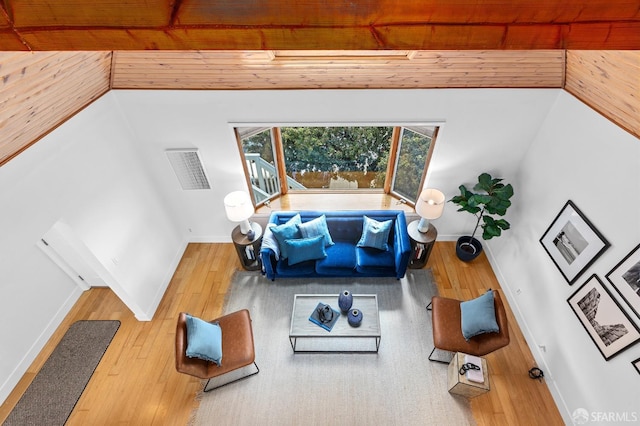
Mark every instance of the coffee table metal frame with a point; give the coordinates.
(302, 328)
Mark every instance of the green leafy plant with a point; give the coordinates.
(490, 199)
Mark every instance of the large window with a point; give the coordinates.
(346, 158)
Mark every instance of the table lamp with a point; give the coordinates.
(429, 206)
(239, 208)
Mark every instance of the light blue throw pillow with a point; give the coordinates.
(204, 340)
(315, 227)
(304, 249)
(287, 231)
(479, 316)
(375, 234)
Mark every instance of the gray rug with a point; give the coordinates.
(51, 396)
(398, 385)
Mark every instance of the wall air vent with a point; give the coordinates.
(188, 168)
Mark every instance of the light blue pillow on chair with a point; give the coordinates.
(287, 231)
(479, 316)
(375, 234)
(204, 340)
(304, 249)
(315, 227)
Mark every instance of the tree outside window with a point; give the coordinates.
(336, 158)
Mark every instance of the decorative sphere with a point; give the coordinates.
(345, 300)
(251, 234)
(354, 317)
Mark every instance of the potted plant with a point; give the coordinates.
(490, 199)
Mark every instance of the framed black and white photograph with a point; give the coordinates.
(608, 325)
(625, 278)
(636, 364)
(572, 242)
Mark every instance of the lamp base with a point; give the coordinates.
(245, 227)
(423, 225)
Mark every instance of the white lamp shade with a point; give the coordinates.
(430, 204)
(238, 206)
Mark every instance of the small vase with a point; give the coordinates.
(345, 300)
(355, 317)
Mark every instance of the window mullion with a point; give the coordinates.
(282, 173)
(391, 164)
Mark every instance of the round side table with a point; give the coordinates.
(421, 244)
(248, 250)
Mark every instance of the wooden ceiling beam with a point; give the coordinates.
(319, 24)
(391, 37)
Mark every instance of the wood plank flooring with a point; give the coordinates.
(136, 382)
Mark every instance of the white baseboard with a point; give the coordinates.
(512, 299)
(26, 361)
(171, 270)
(209, 239)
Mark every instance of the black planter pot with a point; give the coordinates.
(468, 248)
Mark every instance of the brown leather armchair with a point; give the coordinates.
(237, 350)
(447, 329)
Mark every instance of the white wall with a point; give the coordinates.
(88, 175)
(581, 156)
(481, 130)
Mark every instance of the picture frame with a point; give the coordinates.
(572, 242)
(625, 278)
(636, 364)
(609, 326)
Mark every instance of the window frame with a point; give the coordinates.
(425, 166)
(280, 165)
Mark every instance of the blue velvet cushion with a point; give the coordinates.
(375, 234)
(303, 249)
(287, 231)
(372, 261)
(204, 340)
(340, 260)
(315, 227)
(479, 316)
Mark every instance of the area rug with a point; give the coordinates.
(396, 386)
(51, 396)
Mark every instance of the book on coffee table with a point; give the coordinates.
(315, 317)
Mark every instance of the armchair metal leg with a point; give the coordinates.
(429, 307)
(232, 381)
(435, 359)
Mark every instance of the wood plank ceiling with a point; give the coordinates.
(319, 24)
(41, 90)
(336, 70)
(609, 82)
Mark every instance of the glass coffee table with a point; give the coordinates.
(305, 336)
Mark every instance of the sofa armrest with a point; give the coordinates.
(401, 245)
(268, 257)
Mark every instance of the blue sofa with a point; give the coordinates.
(343, 258)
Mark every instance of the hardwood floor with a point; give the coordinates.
(136, 382)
